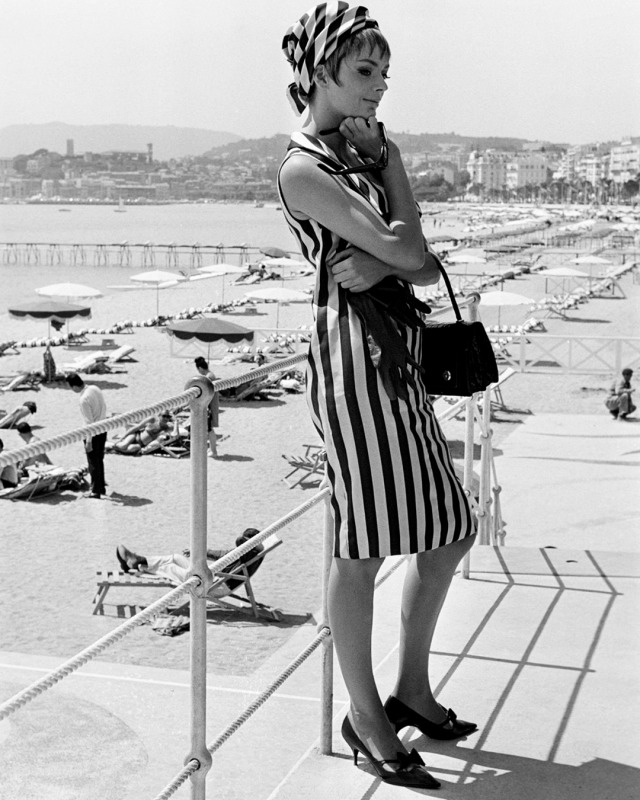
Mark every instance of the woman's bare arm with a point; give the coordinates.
(312, 193)
(357, 271)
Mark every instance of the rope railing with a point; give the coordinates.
(35, 689)
(111, 423)
(323, 634)
(108, 424)
(197, 394)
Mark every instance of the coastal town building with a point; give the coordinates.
(439, 171)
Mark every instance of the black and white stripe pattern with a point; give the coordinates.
(314, 37)
(394, 487)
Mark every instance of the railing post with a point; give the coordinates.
(326, 722)
(199, 567)
(470, 407)
(484, 499)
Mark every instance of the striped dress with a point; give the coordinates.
(394, 489)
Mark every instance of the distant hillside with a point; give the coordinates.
(276, 145)
(168, 141)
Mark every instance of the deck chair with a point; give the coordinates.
(122, 353)
(6, 347)
(219, 596)
(45, 480)
(89, 363)
(310, 463)
(178, 446)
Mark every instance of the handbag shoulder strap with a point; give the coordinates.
(447, 282)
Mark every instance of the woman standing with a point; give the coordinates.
(347, 199)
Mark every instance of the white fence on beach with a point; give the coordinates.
(543, 352)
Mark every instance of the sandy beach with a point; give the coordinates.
(53, 546)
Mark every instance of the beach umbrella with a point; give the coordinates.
(278, 295)
(160, 279)
(274, 252)
(221, 270)
(589, 260)
(562, 273)
(49, 310)
(69, 291)
(465, 257)
(209, 330)
(283, 262)
(501, 299)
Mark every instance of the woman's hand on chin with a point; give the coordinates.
(363, 134)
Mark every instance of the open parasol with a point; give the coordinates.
(209, 330)
(161, 279)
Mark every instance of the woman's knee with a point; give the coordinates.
(448, 556)
(359, 572)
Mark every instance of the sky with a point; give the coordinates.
(558, 70)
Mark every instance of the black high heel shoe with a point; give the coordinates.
(410, 771)
(402, 716)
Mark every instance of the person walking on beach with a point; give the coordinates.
(93, 409)
(213, 411)
(619, 400)
(347, 199)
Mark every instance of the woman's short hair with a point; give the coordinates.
(201, 362)
(31, 406)
(368, 39)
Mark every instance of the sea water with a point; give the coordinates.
(183, 224)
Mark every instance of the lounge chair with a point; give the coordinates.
(6, 347)
(310, 463)
(26, 380)
(219, 595)
(44, 480)
(122, 353)
(175, 446)
(89, 363)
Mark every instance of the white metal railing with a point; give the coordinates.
(543, 352)
(197, 394)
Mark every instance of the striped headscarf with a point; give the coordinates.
(314, 37)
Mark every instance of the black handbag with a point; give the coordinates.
(457, 357)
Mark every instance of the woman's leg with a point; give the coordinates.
(425, 588)
(351, 587)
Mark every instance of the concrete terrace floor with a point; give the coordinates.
(539, 646)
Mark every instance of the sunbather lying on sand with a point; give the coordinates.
(145, 432)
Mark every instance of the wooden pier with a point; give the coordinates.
(146, 255)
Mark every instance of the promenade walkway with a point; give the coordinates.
(540, 647)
